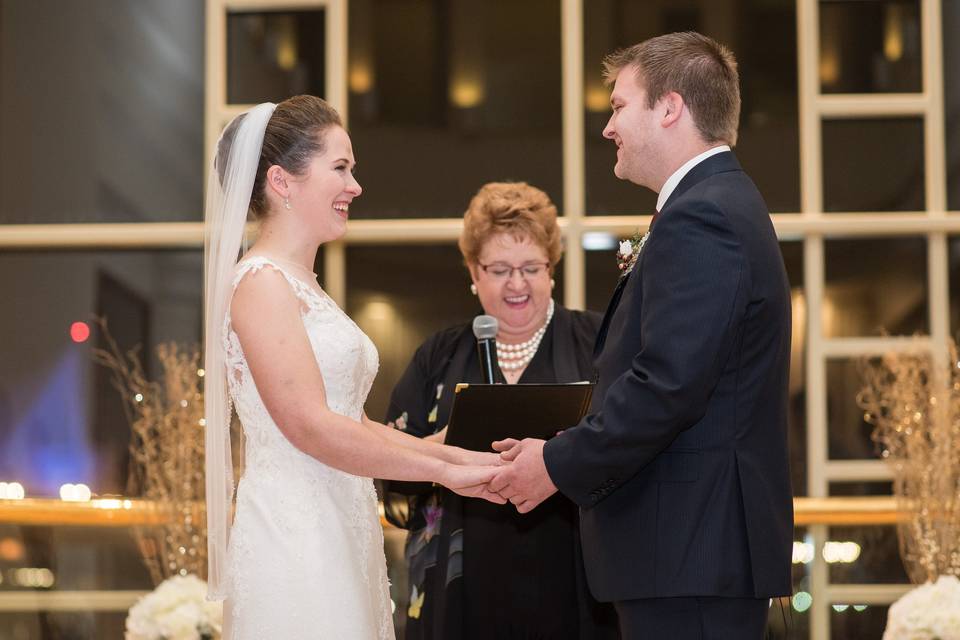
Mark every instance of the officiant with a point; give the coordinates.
(480, 570)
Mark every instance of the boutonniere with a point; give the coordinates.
(629, 251)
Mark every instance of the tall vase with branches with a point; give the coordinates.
(166, 450)
(912, 398)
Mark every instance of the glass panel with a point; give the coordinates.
(873, 165)
(875, 286)
(861, 488)
(873, 558)
(101, 111)
(797, 415)
(857, 621)
(61, 420)
(72, 559)
(954, 262)
(274, 55)
(61, 625)
(951, 93)
(401, 295)
(848, 435)
(870, 46)
(475, 96)
(768, 146)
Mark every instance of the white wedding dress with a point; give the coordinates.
(305, 556)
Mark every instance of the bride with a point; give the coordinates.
(305, 552)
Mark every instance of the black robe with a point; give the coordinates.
(480, 570)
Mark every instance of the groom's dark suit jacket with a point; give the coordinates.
(681, 468)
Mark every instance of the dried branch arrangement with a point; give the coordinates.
(166, 448)
(913, 401)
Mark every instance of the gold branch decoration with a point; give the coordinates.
(166, 449)
(913, 402)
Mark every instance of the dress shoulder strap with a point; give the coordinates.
(307, 295)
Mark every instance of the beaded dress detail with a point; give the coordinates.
(305, 556)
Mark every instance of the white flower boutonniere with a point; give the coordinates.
(629, 251)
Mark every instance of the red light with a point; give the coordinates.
(79, 332)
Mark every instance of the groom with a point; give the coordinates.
(681, 468)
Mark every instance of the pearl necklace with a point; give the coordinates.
(517, 356)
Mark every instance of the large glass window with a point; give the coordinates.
(951, 92)
(875, 286)
(870, 46)
(473, 97)
(873, 165)
(61, 420)
(101, 111)
(275, 55)
(761, 33)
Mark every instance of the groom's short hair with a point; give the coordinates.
(699, 68)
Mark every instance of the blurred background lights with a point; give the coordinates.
(39, 578)
(599, 241)
(802, 601)
(79, 331)
(802, 552)
(74, 492)
(11, 549)
(11, 491)
(842, 552)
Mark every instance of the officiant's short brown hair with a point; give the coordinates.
(515, 208)
(699, 68)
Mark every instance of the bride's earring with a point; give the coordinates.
(286, 203)
(553, 283)
(473, 289)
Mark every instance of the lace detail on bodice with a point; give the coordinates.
(293, 509)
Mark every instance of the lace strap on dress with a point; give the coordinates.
(307, 295)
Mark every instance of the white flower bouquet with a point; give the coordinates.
(177, 609)
(928, 612)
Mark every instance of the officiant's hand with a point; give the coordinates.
(525, 481)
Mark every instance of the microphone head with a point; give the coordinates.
(485, 327)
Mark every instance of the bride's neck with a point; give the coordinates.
(274, 244)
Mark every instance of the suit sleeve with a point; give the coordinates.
(694, 291)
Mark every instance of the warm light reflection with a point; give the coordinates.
(287, 47)
(11, 491)
(829, 66)
(11, 550)
(378, 311)
(360, 77)
(111, 503)
(893, 32)
(466, 93)
(75, 492)
(597, 99)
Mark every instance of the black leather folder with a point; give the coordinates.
(482, 413)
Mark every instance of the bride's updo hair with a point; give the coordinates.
(294, 134)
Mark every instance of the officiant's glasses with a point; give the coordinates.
(503, 271)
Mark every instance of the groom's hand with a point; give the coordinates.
(525, 481)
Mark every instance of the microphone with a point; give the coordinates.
(485, 329)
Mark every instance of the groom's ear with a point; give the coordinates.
(277, 181)
(672, 107)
